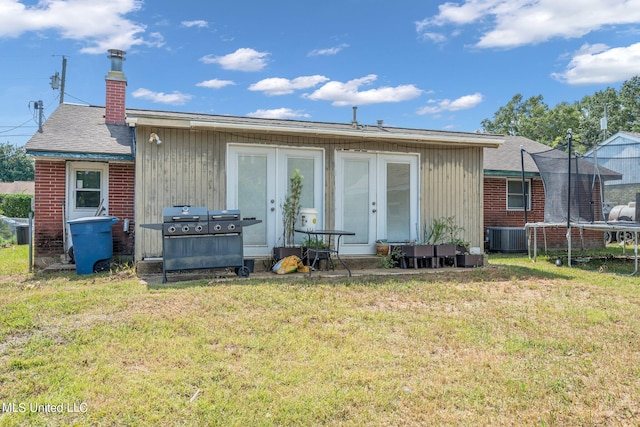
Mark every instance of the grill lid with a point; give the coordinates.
(227, 214)
(184, 213)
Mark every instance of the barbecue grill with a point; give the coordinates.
(196, 238)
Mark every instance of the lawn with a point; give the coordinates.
(515, 343)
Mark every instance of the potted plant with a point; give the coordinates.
(290, 212)
(420, 251)
(466, 259)
(447, 243)
(312, 245)
(382, 247)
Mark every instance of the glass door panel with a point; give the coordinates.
(398, 202)
(306, 168)
(253, 203)
(355, 200)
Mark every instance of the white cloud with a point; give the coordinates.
(174, 98)
(96, 24)
(281, 86)
(349, 93)
(243, 59)
(279, 113)
(215, 83)
(463, 103)
(199, 23)
(329, 51)
(522, 22)
(599, 64)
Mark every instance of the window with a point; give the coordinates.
(515, 201)
(88, 194)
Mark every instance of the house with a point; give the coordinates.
(505, 169)
(17, 187)
(621, 153)
(380, 182)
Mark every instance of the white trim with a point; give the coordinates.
(71, 212)
(528, 182)
(277, 185)
(316, 129)
(377, 192)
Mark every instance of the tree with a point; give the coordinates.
(592, 110)
(533, 119)
(528, 118)
(630, 102)
(15, 165)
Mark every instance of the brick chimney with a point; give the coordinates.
(116, 89)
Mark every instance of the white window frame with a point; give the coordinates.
(519, 194)
(72, 168)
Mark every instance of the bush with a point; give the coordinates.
(15, 205)
(6, 234)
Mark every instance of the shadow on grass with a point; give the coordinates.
(491, 273)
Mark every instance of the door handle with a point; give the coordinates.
(273, 209)
(374, 210)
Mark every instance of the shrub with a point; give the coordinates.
(15, 205)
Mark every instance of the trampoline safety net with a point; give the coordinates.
(553, 166)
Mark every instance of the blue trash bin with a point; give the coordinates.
(92, 242)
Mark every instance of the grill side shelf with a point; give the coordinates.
(152, 226)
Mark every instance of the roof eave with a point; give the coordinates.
(470, 140)
(505, 173)
(80, 156)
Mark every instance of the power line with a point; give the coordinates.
(16, 127)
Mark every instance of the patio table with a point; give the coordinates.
(328, 250)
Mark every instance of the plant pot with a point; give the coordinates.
(415, 251)
(468, 260)
(281, 252)
(445, 250)
(382, 249)
(309, 254)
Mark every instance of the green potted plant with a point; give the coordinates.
(420, 251)
(382, 247)
(290, 213)
(447, 242)
(312, 245)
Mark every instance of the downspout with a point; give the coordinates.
(133, 141)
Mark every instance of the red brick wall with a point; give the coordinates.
(121, 199)
(495, 204)
(115, 103)
(50, 180)
(497, 215)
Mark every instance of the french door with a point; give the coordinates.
(257, 184)
(377, 198)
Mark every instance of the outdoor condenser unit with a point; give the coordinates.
(507, 239)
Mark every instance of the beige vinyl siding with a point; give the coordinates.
(451, 185)
(189, 167)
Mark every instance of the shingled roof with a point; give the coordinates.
(18, 187)
(79, 131)
(506, 160)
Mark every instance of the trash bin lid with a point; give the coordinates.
(90, 219)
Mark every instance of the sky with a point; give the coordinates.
(439, 65)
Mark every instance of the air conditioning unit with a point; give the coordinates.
(507, 239)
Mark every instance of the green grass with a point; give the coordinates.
(516, 343)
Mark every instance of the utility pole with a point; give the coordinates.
(64, 78)
(37, 105)
(59, 83)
